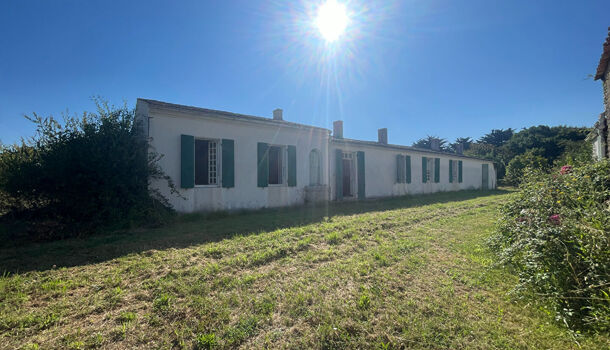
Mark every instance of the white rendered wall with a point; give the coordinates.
(380, 171)
(165, 128)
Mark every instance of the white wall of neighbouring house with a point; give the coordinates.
(381, 178)
(166, 126)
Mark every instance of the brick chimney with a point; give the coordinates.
(459, 148)
(435, 145)
(338, 129)
(278, 114)
(382, 136)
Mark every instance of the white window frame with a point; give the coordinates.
(429, 170)
(218, 161)
(284, 160)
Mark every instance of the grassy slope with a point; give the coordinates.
(404, 272)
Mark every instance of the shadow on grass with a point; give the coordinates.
(194, 229)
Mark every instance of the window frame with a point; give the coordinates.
(318, 175)
(218, 156)
(401, 169)
(455, 169)
(284, 163)
(430, 170)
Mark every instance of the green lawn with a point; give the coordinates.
(409, 272)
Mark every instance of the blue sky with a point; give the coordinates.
(420, 67)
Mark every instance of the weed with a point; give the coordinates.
(206, 341)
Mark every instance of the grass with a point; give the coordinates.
(409, 272)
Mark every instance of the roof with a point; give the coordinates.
(402, 148)
(269, 121)
(603, 61)
(228, 115)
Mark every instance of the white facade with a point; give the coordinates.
(165, 125)
(381, 170)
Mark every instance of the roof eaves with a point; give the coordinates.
(603, 61)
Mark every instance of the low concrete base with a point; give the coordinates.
(315, 194)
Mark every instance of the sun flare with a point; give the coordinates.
(332, 20)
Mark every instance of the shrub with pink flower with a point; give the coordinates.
(565, 169)
(555, 219)
(556, 232)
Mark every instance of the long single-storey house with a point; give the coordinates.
(223, 161)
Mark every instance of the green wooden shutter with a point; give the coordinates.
(228, 163)
(361, 180)
(263, 164)
(292, 166)
(460, 171)
(450, 170)
(187, 161)
(437, 170)
(408, 169)
(339, 173)
(398, 168)
(424, 169)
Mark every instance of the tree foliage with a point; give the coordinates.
(428, 140)
(86, 173)
(497, 137)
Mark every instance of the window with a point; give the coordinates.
(276, 165)
(454, 171)
(314, 167)
(400, 169)
(206, 162)
(429, 169)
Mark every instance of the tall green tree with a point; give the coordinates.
(428, 140)
(497, 137)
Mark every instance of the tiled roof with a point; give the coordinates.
(603, 61)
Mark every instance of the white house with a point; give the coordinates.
(221, 160)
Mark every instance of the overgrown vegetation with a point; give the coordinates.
(538, 146)
(556, 234)
(80, 176)
(410, 272)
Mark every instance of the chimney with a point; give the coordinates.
(435, 144)
(338, 129)
(382, 136)
(277, 114)
(459, 148)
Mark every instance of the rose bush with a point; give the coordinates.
(556, 233)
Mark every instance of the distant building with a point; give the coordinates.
(221, 160)
(600, 137)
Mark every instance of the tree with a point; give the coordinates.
(88, 173)
(497, 137)
(427, 143)
(466, 142)
(530, 159)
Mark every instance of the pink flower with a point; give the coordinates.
(555, 219)
(565, 169)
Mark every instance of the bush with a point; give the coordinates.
(74, 178)
(517, 166)
(556, 233)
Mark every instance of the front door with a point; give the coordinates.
(485, 176)
(347, 177)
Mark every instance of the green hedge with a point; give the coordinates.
(556, 233)
(80, 176)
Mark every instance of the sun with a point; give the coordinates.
(332, 20)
